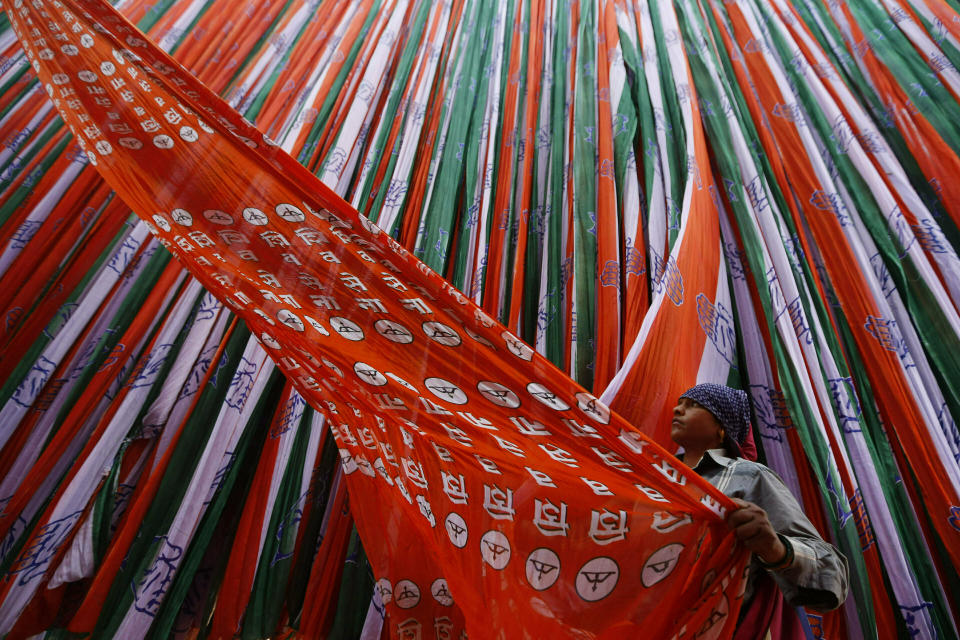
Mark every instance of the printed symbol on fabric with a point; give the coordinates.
(916, 618)
(336, 370)
(370, 226)
(495, 549)
(593, 407)
(425, 510)
(846, 403)
(901, 230)
(269, 341)
(607, 526)
(218, 217)
(130, 143)
(149, 369)
(254, 216)
(441, 593)
(840, 501)
(315, 324)
(498, 394)
(771, 410)
(517, 347)
(479, 338)
(660, 564)
(403, 383)
(543, 568)
(347, 329)
(446, 390)
(444, 334)
(816, 626)
(369, 375)
(610, 275)
(954, 518)
(161, 221)
(550, 519)
(149, 592)
(546, 396)
(189, 134)
(455, 487)
(409, 629)
(833, 203)
(406, 594)
(241, 384)
(163, 141)
(290, 319)
(791, 112)
(665, 522)
(717, 323)
(597, 578)
(888, 335)
(713, 625)
(28, 390)
(182, 217)
(384, 589)
(457, 529)
(393, 331)
(497, 502)
(289, 212)
(35, 559)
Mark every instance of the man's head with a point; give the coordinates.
(711, 415)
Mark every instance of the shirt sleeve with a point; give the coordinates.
(817, 578)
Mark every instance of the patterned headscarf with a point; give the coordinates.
(729, 406)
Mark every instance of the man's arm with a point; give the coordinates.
(770, 522)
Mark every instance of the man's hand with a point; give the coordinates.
(753, 529)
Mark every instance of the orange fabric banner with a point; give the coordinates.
(481, 478)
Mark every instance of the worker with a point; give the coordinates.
(712, 425)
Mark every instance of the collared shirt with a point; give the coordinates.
(817, 578)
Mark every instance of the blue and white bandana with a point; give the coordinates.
(729, 406)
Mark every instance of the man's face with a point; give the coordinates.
(694, 427)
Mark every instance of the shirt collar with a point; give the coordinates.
(714, 457)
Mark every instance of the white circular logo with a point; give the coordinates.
(347, 328)
(393, 331)
(446, 390)
(161, 221)
(218, 217)
(182, 217)
(255, 216)
(495, 549)
(441, 593)
(406, 594)
(163, 141)
(269, 340)
(385, 589)
(660, 564)
(597, 578)
(289, 212)
(130, 143)
(546, 396)
(457, 529)
(107, 68)
(543, 568)
(498, 394)
(444, 334)
(593, 407)
(403, 383)
(189, 134)
(290, 319)
(369, 375)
